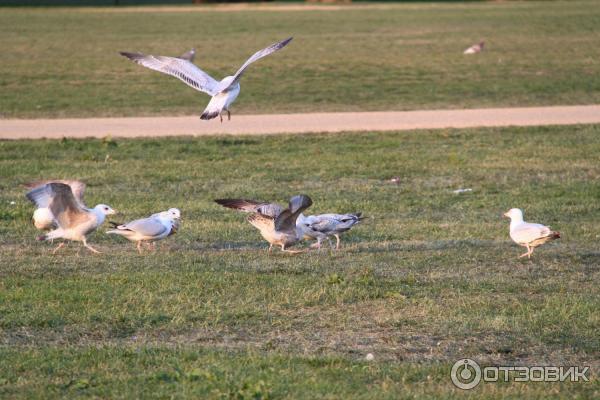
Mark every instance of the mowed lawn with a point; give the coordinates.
(429, 278)
(64, 62)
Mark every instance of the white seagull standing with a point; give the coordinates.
(276, 224)
(43, 219)
(325, 225)
(527, 234)
(156, 227)
(223, 92)
(73, 220)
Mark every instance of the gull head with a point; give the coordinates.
(514, 214)
(104, 209)
(174, 213)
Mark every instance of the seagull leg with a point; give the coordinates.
(290, 251)
(90, 247)
(221, 116)
(58, 247)
(530, 252)
(337, 245)
(228, 116)
(316, 245)
(330, 242)
(139, 246)
(270, 248)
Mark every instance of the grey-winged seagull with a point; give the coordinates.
(276, 224)
(527, 234)
(73, 220)
(223, 92)
(325, 225)
(156, 227)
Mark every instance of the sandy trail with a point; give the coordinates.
(297, 123)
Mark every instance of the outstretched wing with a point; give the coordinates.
(59, 198)
(77, 187)
(255, 57)
(252, 206)
(286, 221)
(181, 69)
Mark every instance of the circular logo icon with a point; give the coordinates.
(465, 374)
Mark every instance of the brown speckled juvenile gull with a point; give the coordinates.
(276, 224)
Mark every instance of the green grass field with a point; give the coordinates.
(64, 62)
(429, 278)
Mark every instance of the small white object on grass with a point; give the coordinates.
(370, 357)
(476, 48)
(459, 191)
(527, 234)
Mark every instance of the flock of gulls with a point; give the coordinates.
(62, 212)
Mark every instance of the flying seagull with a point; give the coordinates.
(156, 227)
(276, 224)
(73, 220)
(43, 219)
(223, 92)
(527, 234)
(325, 225)
(476, 48)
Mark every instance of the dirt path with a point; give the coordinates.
(297, 123)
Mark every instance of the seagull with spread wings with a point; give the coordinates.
(276, 224)
(73, 220)
(156, 227)
(325, 225)
(527, 234)
(43, 219)
(223, 92)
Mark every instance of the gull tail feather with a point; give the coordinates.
(206, 115)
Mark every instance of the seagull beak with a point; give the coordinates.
(506, 215)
